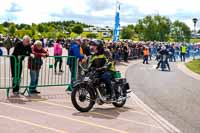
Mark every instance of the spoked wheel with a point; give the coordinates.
(82, 98)
(122, 102)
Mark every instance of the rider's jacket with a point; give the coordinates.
(100, 60)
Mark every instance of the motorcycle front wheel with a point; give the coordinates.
(81, 98)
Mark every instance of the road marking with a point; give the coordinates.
(32, 124)
(105, 115)
(124, 109)
(164, 123)
(65, 117)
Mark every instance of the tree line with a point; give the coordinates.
(49, 29)
(157, 28)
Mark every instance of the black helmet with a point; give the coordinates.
(99, 45)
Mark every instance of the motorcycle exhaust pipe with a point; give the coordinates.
(100, 96)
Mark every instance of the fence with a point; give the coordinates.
(6, 79)
(47, 74)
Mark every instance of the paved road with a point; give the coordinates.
(52, 111)
(173, 95)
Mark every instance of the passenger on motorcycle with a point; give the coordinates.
(164, 55)
(104, 66)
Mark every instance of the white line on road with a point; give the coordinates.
(32, 124)
(65, 117)
(102, 114)
(164, 123)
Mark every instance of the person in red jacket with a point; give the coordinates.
(34, 64)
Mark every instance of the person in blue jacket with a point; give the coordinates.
(1, 52)
(74, 50)
(1, 44)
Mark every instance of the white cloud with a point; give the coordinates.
(164, 6)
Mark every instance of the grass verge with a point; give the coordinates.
(194, 66)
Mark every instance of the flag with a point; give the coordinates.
(117, 24)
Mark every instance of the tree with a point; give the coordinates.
(12, 29)
(153, 28)
(180, 31)
(23, 26)
(21, 33)
(40, 28)
(6, 24)
(78, 29)
(127, 32)
(91, 35)
(2, 29)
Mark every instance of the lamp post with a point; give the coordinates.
(195, 24)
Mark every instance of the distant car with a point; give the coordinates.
(106, 34)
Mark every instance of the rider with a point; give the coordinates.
(163, 53)
(103, 66)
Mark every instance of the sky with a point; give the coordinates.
(97, 12)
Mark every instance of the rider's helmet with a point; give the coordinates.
(98, 44)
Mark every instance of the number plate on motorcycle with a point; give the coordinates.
(86, 78)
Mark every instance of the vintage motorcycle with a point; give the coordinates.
(89, 90)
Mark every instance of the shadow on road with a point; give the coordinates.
(102, 113)
(25, 99)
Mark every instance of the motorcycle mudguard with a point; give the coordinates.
(126, 86)
(79, 82)
(76, 83)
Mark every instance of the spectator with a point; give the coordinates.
(1, 52)
(8, 44)
(183, 50)
(74, 50)
(125, 50)
(58, 52)
(146, 55)
(34, 64)
(86, 48)
(172, 53)
(42, 40)
(21, 49)
(163, 57)
(1, 42)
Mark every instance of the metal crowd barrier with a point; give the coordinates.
(135, 53)
(47, 75)
(6, 78)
